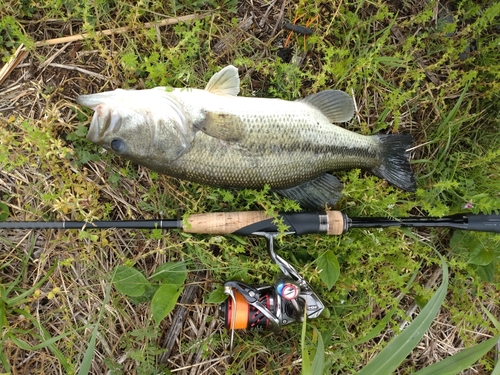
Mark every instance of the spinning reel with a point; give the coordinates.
(272, 306)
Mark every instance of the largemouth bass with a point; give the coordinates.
(215, 137)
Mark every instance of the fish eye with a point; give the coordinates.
(117, 145)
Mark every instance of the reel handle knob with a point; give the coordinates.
(288, 290)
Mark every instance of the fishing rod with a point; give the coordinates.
(299, 223)
(270, 307)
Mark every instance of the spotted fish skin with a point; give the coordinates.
(280, 143)
(217, 138)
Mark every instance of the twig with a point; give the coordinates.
(120, 30)
(15, 59)
(356, 109)
(81, 70)
(52, 57)
(19, 96)
(266, 15)
(418, 146)
(279, 20)
(201, 363)
(233, 37)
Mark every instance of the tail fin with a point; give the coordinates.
(394, 166)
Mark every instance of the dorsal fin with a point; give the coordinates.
(225, 82)
(336, 105)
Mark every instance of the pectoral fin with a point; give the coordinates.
(224, 126)
(324, 190)
(226, 82)
(336, 105)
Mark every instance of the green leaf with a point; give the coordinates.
(42, 336)
(460, 361)
(330, 269)
(318, 363)
(306, 362)
(4, 211)
(164, 301)
(496, 323)
(474, 246)
(479, 250)
(496, 369)
(147, 296)
(5, 362)
(89, 353)
(217, 296)
(239, 239)
(421, 301)
(486, 273)
(494, 320)
(463, 242)
(398, 349)
(24, 296)
(377, 329)
(45, 343)
(3, 312)
(129, 281)
(174, 273)
(482, 258)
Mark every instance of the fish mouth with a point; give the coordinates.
(93, 100)
(104, 121)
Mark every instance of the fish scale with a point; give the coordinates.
(217, 138)
(279, 164)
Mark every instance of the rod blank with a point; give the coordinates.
(124, 224)
(471, 222)
(245, 223)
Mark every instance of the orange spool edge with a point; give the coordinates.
(242, 310)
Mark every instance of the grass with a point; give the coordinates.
(405, 64)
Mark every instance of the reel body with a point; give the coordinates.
(260, 308)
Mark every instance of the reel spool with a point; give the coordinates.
(263, 308)
(239, 314)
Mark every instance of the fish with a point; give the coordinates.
(214, 137)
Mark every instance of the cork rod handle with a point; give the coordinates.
(336, 223)
(223, 222)
(244, 223)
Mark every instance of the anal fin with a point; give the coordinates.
(324, 190)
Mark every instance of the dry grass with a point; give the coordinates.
(42, 89)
